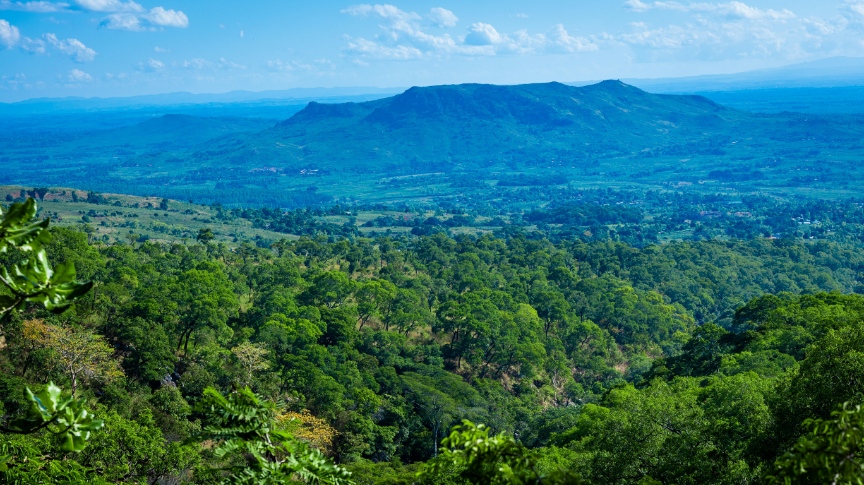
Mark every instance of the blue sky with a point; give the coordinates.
(126, 47)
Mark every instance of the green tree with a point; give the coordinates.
(374, 298)
(133, 450)
(257, 450)
(80, 354)
(479, 459)
(832, 452)
(206, 300)
(205, 235)
(251, 359)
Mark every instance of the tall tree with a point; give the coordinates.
(80, 354)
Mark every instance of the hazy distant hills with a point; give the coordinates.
(473, 123)
(470, 142)
(185, 100)
(179, 130)
(75, 115)
(829, 72)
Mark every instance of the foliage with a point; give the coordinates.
(251, 360)
(480, 459)
(679, 363)
(80, 354)
(243, 424)
(304, 426)
(61, 415)
(831, 453)
(35, 280)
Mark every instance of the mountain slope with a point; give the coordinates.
(477, 123)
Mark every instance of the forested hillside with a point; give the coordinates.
(688, 362)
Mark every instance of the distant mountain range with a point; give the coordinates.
(182, 101)
(468, 135)
(830, 72)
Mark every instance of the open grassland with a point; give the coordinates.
(132, 218)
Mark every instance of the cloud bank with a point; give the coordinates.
(120, 15)
(404, 36)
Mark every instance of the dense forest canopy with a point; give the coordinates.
(687, 362)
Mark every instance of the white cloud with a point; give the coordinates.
(742, 11)
(713, 41)
(113, 6)
(481, 34)
(521, 15)
(137, 22)
(854, 6)
(33, 46)
(154, 65)
(671, 37)
(9, 34)
(226, 64)
(122, 21)
(383, 11)
(484, 39)
(36, 6)
(76, 76)
(403, 38)
(278, 65)
(161, 50)
(637, 5)
(195, 63)
(73, 48)
(851, 12)
(317, 67)
(370, 49)
(561, 40)
(199, 64)
(442, 17)
(242, 34)
(732, 10)
(729, 30)
(167, 18)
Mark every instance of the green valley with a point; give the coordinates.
(466, 284)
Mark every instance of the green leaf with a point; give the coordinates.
(17, 231)
(63, 273)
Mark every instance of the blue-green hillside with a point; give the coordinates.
(477, 123)
(453, 145)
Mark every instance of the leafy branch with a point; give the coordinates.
(35, 281)
(245, 427)
(493, 460)
(833, 451)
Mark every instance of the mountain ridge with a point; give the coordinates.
(479, 122)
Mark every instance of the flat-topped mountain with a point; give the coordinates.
(551, 104)
(480, 122)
